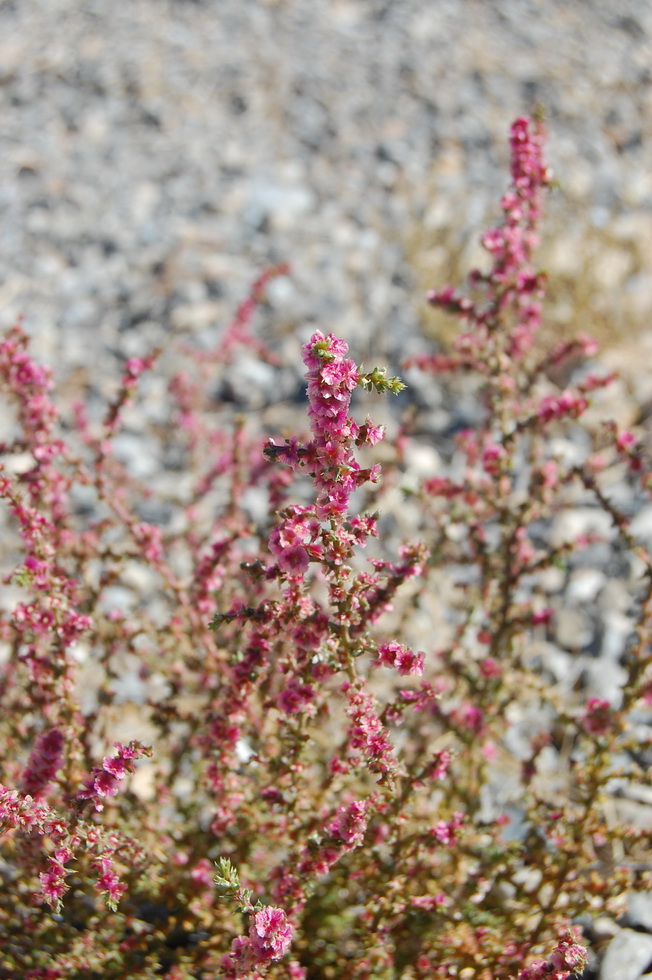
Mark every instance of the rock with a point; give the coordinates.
(571, 523)
(585, 584)
(641, 526)
(616, 630)
(639, 911)
(573, 628)
(628, 956)
(604, 679)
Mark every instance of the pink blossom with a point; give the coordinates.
(296, 971)
(446, 831)
(440, 486)
(104, 780)
(468, 716)
(242, 958)
(293, 561)
(29, 815)
(270, 934)
(350, 823)
(340, 374)
(53, 884)
(567, 405)
(363, 528)
(625, 440)
(367, 734)
(108, 882)
(396, 655)
(568, 956)
(369, 434)
(492, 455)
(440, 764)
(202, 873)
(296, 697)
(328, 457)
(149, 540)
(511, 281)
(429, 903)
(542, 616)
(529, 172)
(43, 763)
(598, 718)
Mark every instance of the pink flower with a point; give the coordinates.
(270, 934)
(440, 764)
(567, 405)
(340, 374)
(106, 784)
(625, 440)
(396, 655)
(296, 697)
(568, 956)
(26, 814)
(328, 456)
(529, 172)
(108, 882)
(492, 455)
(43, 763)
(293, 561)
(104, 780)
(598, 718)
(242, 957)
(149, 539)
(53, 884)
(542, 616)
(202, 873)
(429, 903)
(370, 434)
(446, 830)
(468, 716)
(350, 823)
(367, 734)
(363, 528)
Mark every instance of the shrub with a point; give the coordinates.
(316, 797)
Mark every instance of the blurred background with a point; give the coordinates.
(155, 155)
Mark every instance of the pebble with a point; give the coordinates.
(641, 525)
(573, 628)
(639, 911)
(628, 956)
(585, 584)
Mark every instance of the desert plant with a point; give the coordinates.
(313, 797)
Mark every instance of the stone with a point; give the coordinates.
(628, 956)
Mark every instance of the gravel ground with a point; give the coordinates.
(155, 155)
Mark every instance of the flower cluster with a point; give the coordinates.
(43, 763)
(104, 781)
(328, 457)
(395, 655)
(598, 718)
(269, 939)
(568, 956)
